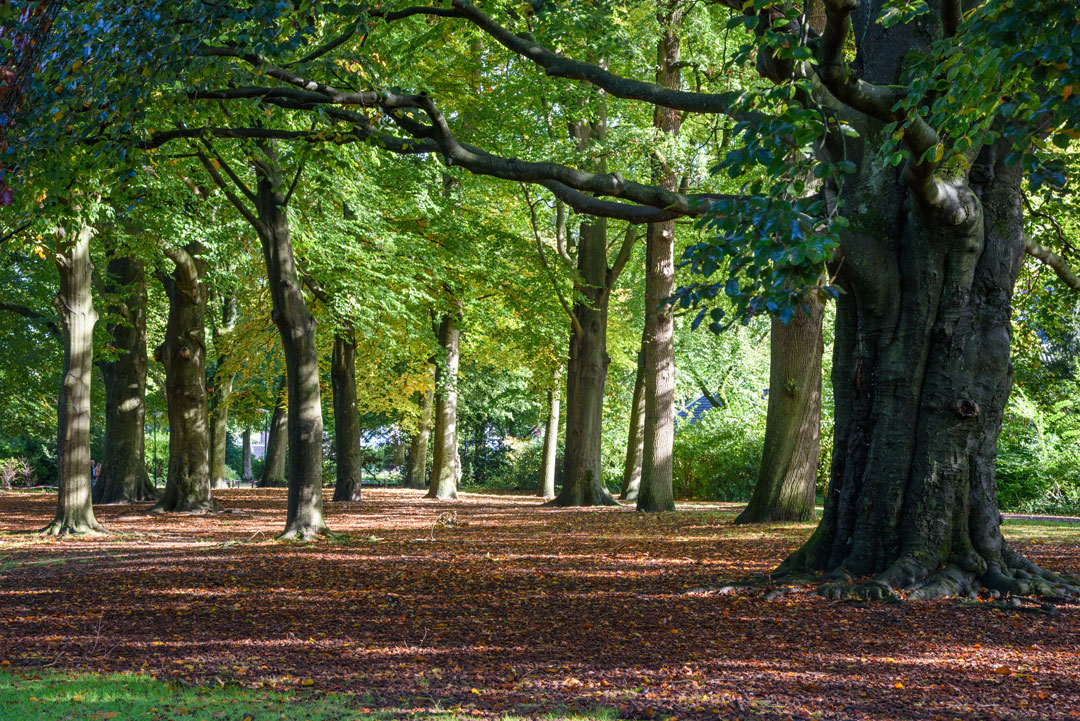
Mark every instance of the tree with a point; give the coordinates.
(183, 354)
(445, 464)
(221, 381)
(787, 480)
(416, 467)
(75, 304)
(122, 477)
(277, 438)
(349, 454)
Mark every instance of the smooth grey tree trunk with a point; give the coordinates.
(277, 439)
(297, 328)
(586, 375)
(75, 304)
(635, 436)
(416, 469)
(549, 457)
(787, 479)
(445, 466)
(350, 466)
(122, 476)
(183, 354)
(656, 493)
(246, 474)
(222, 383)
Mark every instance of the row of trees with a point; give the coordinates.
(884, 167)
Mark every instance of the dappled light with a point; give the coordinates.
(514, 609)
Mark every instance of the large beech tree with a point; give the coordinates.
(183, 353)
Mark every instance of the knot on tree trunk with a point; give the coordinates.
(967, 409)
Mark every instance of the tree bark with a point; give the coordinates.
(416, 470)
(183, 353)
(277, 438)
(246, 474)
(297, 328)
(549, 457)
(586, 375)
(445, 465)
(635, 437)
(222, 383)
(122, 477)
(656, 493)
(787, 480)
(921, 375)
(75, 304)
(350, 466)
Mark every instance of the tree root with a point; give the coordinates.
(61, 528)
(304, 533)
(908, 578)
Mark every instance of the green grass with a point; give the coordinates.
(60, 696)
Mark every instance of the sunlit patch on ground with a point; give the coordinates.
(516, 610)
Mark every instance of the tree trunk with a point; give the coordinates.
(635, 437)
(416, 470)
(297, 328)
(586, 375)
(350, 466)
(273, 475)
(222, 382)
(921, 375)
(549, 457)
(246, 474)
(122, 477)
(75, 304)
(445, 464)
(656, 493)
(183, 353)
(787, 480)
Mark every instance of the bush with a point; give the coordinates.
(1038, 470)
(38, 457)
(16, 472)
(717, 457)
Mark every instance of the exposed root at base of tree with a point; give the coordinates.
(60, 528)
(971, 578)
(304, 533)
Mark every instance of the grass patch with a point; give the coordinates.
(57, 696)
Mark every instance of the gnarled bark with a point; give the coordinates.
(787, 480)
(183, 353)
(75, 304)
(122, 476)
(346, 417)
(445, 464)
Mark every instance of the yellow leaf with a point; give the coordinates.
(939, 153)
(76, 66)
(898, 685)
(475, 691)
(76, 697)
(307, 682)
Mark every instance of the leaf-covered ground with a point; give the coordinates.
(492, 606)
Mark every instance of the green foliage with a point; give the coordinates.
(717, 457)
(1038, 468)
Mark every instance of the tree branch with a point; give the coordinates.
(245, 211)
(547, 268)
(627, 247)
(31, 314)
(1054, 261)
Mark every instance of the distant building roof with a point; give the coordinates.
(692, 412)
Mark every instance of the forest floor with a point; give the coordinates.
(493, 607)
